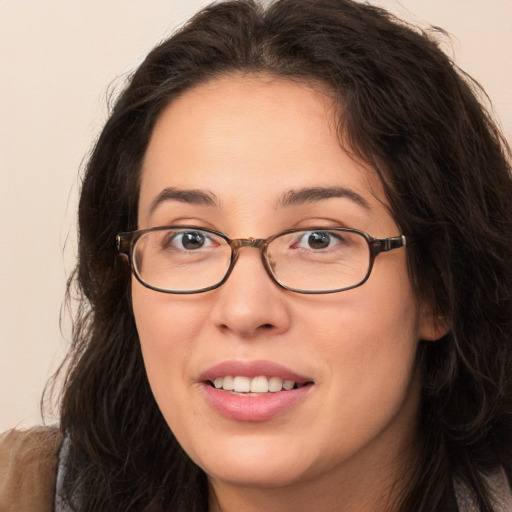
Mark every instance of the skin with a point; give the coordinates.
(247, 141)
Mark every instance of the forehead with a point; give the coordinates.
(247, 137)
(234, 116)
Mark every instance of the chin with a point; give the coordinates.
(256, 475)
(257, 465)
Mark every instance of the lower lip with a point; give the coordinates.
(253, 408)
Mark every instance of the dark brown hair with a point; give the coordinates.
(404, 108)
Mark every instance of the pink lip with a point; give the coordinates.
(252, 408)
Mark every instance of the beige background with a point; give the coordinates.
(58, 60)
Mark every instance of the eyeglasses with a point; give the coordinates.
(188, 259)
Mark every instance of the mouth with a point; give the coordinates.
(255, 386)
(254, 391)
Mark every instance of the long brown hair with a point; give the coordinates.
(404, 108)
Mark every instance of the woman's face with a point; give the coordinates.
(247, 144)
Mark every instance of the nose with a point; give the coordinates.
(250, 303)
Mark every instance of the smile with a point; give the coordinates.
(254, 391)
(256, 385)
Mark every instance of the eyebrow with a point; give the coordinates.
(313, 194)
(191, 196)
(290, 198)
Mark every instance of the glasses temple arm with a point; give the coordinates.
(391, 243)
(123, 243)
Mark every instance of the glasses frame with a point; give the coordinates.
(126, 242)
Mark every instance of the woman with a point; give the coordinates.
(295, 246)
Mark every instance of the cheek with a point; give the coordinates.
(389, 319)
(168, 328)
(368, 336)
(368, 344)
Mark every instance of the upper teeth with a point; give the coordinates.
(261, 384)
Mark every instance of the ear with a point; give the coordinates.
(432, 325)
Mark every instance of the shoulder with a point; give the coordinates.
(500, 492)
(499, 483)
(28, 465)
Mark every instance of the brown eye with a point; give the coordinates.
(192, 240)
(319, 240)
(186, 240)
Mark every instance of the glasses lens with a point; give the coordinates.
(181, 260)
(319, 260)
